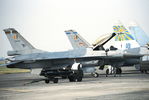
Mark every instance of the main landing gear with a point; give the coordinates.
(55, 80)
(76, 76)
(113, 70)
(144, 71)
(72, 75)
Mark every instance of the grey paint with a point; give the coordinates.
(56, 60)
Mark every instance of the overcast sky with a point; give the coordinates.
(43, 22)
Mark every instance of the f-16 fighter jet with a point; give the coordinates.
(54, 65)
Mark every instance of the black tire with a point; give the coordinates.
(47, 81)
(79, 79)
(55, 80)
(71, 78)
(79, 76)
(107, 72)
(142, 71)
(145, 71)
(118, 70)
(114, 75)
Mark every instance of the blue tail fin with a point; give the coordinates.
(140, 36)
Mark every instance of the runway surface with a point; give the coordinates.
(128, 86)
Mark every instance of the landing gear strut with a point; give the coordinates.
(144, 71)
(113, 70)
(47, 81)
(118, 71)
(95, 75)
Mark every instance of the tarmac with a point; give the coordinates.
(132, 85)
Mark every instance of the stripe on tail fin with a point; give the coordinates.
(76, 40)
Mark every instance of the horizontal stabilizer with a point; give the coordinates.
(8, 64)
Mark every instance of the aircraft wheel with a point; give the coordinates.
(118, 70)
(55, 80)
(47, 81)
(114, 75)
(107, 72)
(71, 78)
(145, 71)
(142, 71)
(79, 76)
(79, 79)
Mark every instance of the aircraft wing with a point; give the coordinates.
(89, 58)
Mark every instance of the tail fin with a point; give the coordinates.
(76, 40)
(124, 39)
(141, 37)
(17, 42)
(122, 33)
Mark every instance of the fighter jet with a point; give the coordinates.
(53, 65)
(124, 40)
(134, 39)
(77, 41)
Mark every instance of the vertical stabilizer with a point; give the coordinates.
(76, 40)
(17, 42)
(124, 39)
(141, 37)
